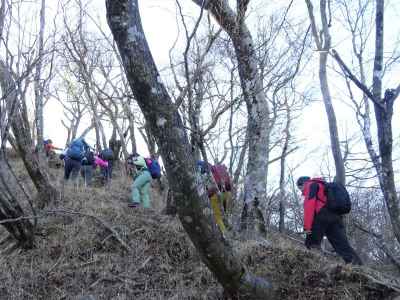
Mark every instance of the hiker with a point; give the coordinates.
(107, 155)
(87, 167)
(73, 158)
(223, 181)
(129, 166)
(213, 192)
(141, 184)
(49, 147)
(100, 162)
(319, 221)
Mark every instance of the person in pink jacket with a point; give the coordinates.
(103, 164)
(99, 162)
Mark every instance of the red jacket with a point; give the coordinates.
(314, 200)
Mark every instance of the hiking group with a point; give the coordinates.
(324, 203)
(79, 157)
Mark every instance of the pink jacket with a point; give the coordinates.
(99, 162)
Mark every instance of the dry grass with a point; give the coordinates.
(76, 255)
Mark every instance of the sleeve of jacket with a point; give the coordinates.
(309, 206)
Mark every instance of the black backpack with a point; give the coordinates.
(88, 158)
(338, 199)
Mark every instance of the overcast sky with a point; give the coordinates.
(160, 25)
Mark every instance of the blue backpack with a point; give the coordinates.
(154, 168)
(107, 154)
(77, 149)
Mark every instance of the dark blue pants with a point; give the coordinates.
(107, 171)
(71, 168)
(87, 174)
(331, 225)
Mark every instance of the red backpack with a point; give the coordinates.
(221, 177)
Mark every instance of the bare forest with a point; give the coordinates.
(271, 90)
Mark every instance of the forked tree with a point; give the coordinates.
(166, 126)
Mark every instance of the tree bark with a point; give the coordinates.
(383, 116)
(166, 126)
(131, 124)
(23, 230)
(46, 191)
(39, 86)
(282, 188)
(323, 43)
(258, 126)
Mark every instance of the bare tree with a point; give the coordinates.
(251, 83)
(21, 230)
(323, 44)
(15, 79)
(383, 107)
(166, 125)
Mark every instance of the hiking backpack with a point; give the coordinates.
(88, 158)
(337, 198)
(107, 154)
(221, 177)
(76, 149)
(154, 168)
(203, 167)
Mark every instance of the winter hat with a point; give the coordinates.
(302, 180)
(139, 161)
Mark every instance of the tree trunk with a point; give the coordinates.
(10, 208)
(166, 126)
(282, 188)
(115, 145)
(38, 174)
(258, 126)
(131, 124)
(323, 43)
(383, 116)
(39, 86)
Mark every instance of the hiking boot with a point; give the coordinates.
(133, 205)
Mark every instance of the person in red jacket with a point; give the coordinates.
(320, 222)
(49, 147)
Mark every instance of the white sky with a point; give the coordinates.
(160, 24)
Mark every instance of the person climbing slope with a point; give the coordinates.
(141, 184)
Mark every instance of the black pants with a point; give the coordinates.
(331, 225)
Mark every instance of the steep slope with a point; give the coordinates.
(90, 245)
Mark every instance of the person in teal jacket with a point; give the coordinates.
(141, 184)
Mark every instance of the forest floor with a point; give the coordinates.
(91, 246)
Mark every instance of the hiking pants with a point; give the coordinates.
(331, 225)
(140, 189)
(215, 205)
(227, 202)
(71, 168)
(87, 174)
(107, 171)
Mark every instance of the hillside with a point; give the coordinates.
(90, 245)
